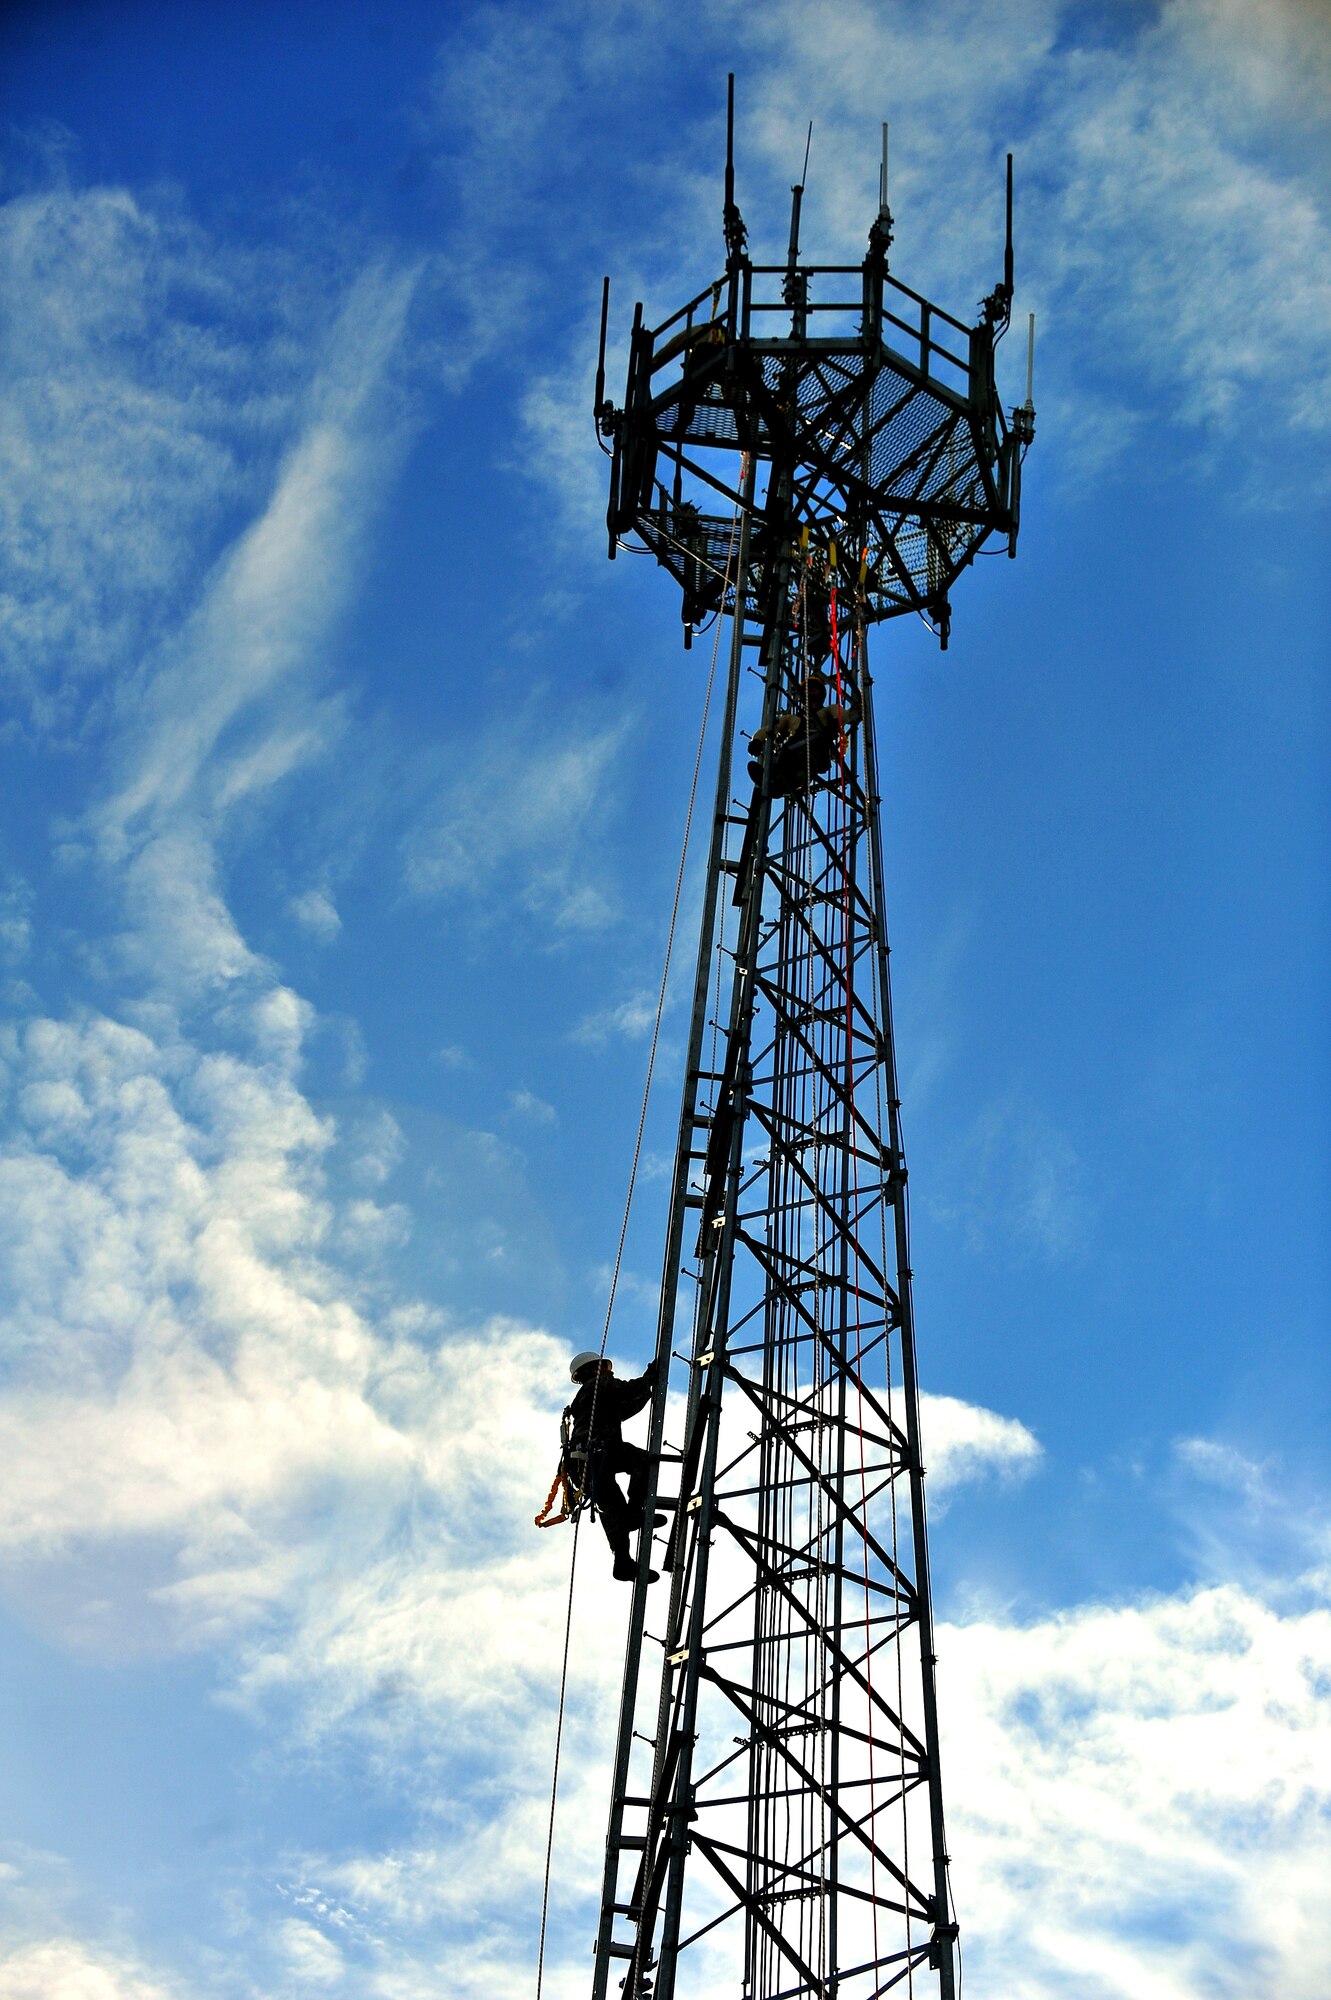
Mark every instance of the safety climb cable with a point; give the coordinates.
(619, 1250)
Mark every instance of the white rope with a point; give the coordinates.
(619, 1249)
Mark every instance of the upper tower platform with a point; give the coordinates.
(875, 411)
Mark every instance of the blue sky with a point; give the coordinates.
(344, 785)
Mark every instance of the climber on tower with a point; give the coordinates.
(805, 738)
(592, 1428)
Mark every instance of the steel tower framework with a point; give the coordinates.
(809, 450)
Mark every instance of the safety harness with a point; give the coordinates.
(574, 1480)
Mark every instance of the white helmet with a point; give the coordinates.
(587, 1359)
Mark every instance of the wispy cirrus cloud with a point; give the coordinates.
(199, 453)
(150, 376)
(209, 727)
(520, 823)
(631, 1018)
(1014, 1178)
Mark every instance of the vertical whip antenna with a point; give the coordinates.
(733, 221)
(600, 359)
(880, 235)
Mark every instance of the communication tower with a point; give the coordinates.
(809, 450)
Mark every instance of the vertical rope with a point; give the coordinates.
(559, 1744)
(623, 1234)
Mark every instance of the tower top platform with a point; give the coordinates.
(876, 410)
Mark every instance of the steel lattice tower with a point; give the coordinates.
(809, 450)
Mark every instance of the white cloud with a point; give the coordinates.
(183, 1363)
(1141, 1799)
(15, 920)
(310, 1957)
(377, 1145)
(316, 912)
(371, 1229)
(200, 1422)
(525, 1104)
(1243, 1522)
(181, 935)
(964, 1441)
(631, 1018)
(155, 386)
(64, 1969)
(1221, 1465)
(454, 1056)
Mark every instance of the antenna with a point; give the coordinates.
(1030, 363)
(600, 361)
(880, 234)
(804, 177)
(733, 221)
(1007, 254)
(793, 248)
